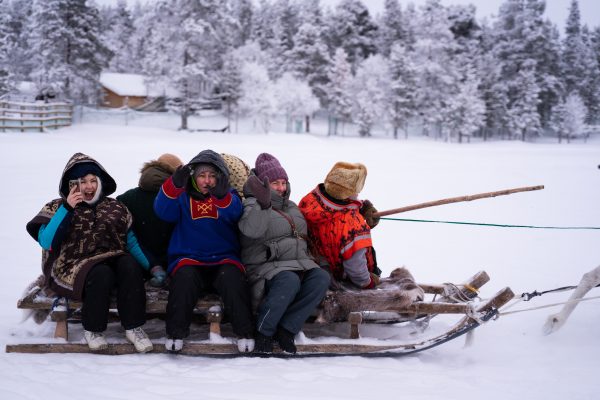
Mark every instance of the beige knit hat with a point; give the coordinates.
(239, 172)
(170, 160)
(345, 180)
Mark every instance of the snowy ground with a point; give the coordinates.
(510, 357)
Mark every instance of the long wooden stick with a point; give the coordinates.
(458, 199)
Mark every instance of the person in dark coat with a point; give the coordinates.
(204, 251)
(89, 251)
(287, 285)
(152, 232)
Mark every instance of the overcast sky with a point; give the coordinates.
(556, 10)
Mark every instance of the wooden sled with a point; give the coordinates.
(447, 299)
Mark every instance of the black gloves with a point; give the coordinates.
(368, 211)
(181, 176)
(260, 190)
(222, 186)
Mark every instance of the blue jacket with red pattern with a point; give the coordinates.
(206, 230)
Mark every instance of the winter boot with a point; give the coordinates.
(140, 340)
(95, 340)
(263, 344)
(174, 345)
(285, 339)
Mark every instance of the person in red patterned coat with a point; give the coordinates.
(204, 251)
(339, 227)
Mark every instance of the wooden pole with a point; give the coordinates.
(458, 199)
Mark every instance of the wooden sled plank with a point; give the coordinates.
(469, 287)
(189, 348)
(155, 304)
(485, 311)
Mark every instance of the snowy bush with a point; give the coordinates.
(294, 98)
(569, 117)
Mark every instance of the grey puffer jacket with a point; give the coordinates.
(270, 244)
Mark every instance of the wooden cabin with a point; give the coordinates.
(124, 90)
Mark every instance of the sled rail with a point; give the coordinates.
(62, 311)
(486, 311)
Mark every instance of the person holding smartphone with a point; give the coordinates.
(89, 251)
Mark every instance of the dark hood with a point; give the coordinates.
(109, 186)
(215, 159)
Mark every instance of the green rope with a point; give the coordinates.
(495, 225)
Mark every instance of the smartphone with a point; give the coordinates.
(74, 182)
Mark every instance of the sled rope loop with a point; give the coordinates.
(528, 296)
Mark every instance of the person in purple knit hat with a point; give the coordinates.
(286, 284)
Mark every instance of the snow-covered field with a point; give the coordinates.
(510, 358)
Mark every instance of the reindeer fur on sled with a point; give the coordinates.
(587, 283)
(395, 292)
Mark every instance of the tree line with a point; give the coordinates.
(434, 67)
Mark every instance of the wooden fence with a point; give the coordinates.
(37, 116)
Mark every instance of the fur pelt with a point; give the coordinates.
(39, 316)
(393, 293)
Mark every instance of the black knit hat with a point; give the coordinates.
(82, 169)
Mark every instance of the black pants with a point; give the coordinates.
(125, 275)
(190, 282)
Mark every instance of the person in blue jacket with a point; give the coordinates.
(89, 251)
(204, 251)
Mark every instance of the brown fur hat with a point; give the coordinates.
(170, 160)
(345, 180)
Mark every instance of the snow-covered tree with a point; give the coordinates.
(19, 31)
(243, 14)
(370, 93)
(403, 88)
(285, 25)
(309, 59)
(568, 119)
(295, 99)
(522, 51)
(391, 27)
(66, 49)
(438, 72)
(523, 116)
(230, 84)
(118, 38)
(590, 81)
(493, 91)
(572, 67)
(187, 48)
(466, 111)
(257, 95)
(5, 45)
(339, 101)
(352, 28)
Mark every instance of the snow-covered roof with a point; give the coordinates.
(26, 87)
(124, 84)
(134, 85)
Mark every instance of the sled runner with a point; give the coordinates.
(346, 331)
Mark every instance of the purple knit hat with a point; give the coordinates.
(267, 166)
